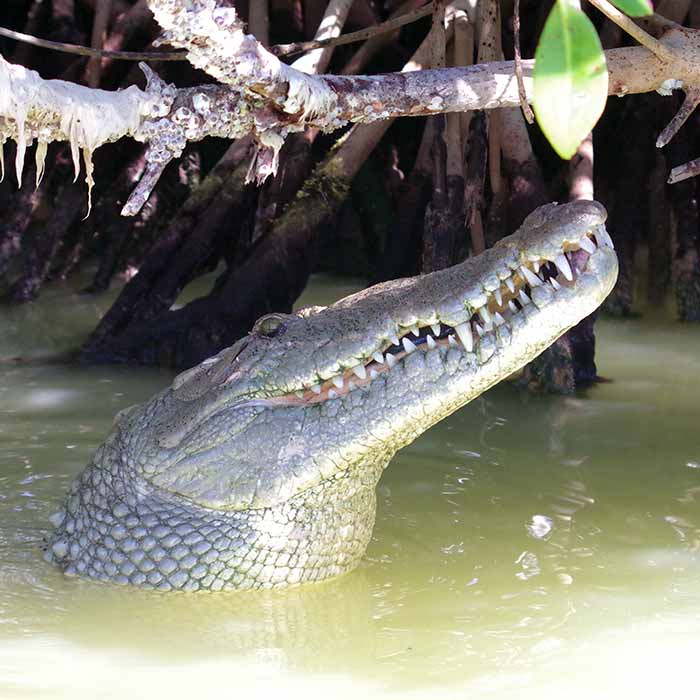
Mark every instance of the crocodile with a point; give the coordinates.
(257, 468)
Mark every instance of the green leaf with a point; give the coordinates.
(570, 78)
(634, 8)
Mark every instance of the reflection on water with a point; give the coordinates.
(525, 547)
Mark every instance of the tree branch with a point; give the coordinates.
(268, 99)
(317, 60)
(282, 50)
(390, 25)
(626, 24)
(94, 53)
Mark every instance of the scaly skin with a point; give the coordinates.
(258, 467)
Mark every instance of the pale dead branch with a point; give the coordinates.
(269, 100)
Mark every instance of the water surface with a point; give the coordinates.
(526, 547)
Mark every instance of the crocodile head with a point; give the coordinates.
(258, 467)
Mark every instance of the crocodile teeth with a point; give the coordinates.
(338, 381)
(499, 298)
(510, 284)
(378, 357)
(332, 394)
(498, 319)
(536, 266)
(373, 374)
(299, 394)
(360, 371)
(316, 388)
(588, 245)
(408, 346)
(415, 330)
(532, 279)
(604, 237)
(512, 306)
(484, 313)
(352, 386)
(391, 360)
(451, 340)
(563, 264)
(555, 284)
(523, 298)
(479, 330)
(431, 342)
(435, 328)
(394, 339)
(465, 335)
(504, 335)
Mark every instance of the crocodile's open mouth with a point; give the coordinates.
(489, 326)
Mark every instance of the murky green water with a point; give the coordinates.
(524, 548)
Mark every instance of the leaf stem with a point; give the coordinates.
(660, 50)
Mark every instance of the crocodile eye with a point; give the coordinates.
(269, 326)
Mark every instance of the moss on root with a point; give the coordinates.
(320, 197)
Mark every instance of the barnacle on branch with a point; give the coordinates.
(265, 98)
(34, 109)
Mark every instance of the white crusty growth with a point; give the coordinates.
(267, 98)
(32, 108)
